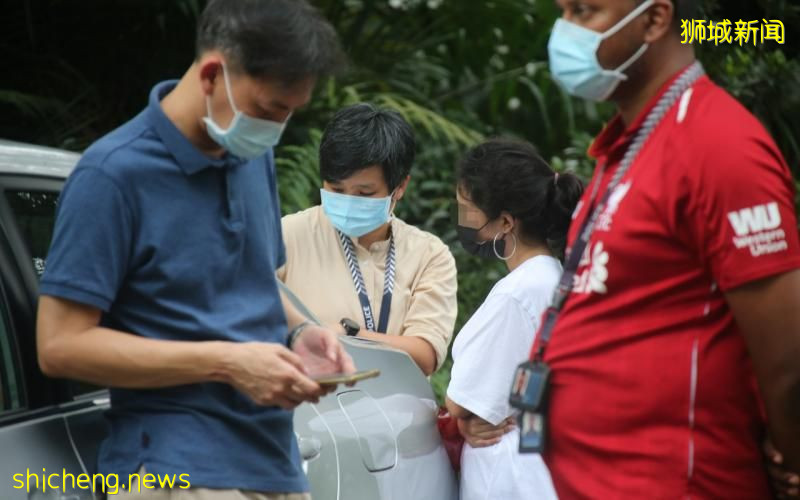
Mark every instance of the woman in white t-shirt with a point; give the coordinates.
(514, 207)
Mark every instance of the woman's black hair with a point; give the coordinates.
(362, 136)
(505, 175)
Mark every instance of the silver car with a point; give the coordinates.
(377, 440)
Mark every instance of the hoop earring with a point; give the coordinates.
(494, 247)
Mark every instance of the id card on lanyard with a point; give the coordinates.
(358, 281)
(530, 389)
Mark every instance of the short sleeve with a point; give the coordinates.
(91, 247)
(433, 305)
(489, 347)
(744, 220)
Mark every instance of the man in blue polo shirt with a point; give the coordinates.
(160, 282)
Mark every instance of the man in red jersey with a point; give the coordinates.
(678, 346)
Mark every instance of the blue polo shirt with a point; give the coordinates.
(172, 244)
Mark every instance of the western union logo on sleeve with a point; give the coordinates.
(758, 228)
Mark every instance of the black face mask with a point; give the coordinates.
(468, 236)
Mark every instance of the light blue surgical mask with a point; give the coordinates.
(246, 137)
(573, 58)
(356, 216)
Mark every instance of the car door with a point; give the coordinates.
(52, 428)
(378, 439)
(35, 440)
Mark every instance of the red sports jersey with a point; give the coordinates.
(653, 392)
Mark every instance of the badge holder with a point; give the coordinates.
(529, 395)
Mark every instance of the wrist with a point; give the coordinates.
(295, 333)
(222, 360)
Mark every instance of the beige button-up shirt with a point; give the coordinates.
(424, 300)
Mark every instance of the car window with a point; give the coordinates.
(35, 215)
(10, 397)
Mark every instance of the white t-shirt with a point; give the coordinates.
(486, 352)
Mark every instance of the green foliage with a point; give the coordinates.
(756, 79)
(76, 70)
(481, 67)
(459, 71)
(298, 171)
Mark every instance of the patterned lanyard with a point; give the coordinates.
(653, 119)
(358, 280)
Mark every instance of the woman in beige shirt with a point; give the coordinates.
(352, 262)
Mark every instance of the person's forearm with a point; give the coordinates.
(112, 358)
(418, 348)
(293, 316)
(768, 314)
(70, 344)
(783, 408)
(455, 410)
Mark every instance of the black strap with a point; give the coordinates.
(358, 281)
(565, 285)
